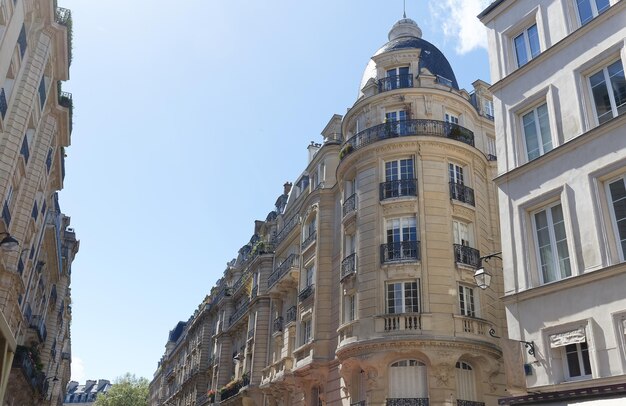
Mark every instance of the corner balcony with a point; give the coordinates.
(404, 322)
(466, 255)
(398, 188)
(348, 266)
(405, 251)
(462, 193)
(395, 82)
(406, 128)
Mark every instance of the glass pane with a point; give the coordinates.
(584, 353)
(533, 41)
(530, 135)
(544, 128)
(392, 116)
(462, 301)
(601, 97)
(390, 298)
(618, 84)
(584, 11)
(391, 171)
(406, 169)
(602, 5)
(561, 240)
(618, 200)
(397, 287)
(520, 50)
(410, 296)
(573, 365)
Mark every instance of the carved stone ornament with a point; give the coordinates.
(443, 374)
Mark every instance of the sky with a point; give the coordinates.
(189, 117)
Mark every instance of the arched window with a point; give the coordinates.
(466, 388)
(407, 380)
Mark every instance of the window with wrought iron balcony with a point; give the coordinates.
(399, 179)
(458, 190)
(396, 78)
(402, 243)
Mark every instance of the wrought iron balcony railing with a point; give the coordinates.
(395, 82)
(282, 269)
(349, 205)
(243, 308)
(462, 193)
(306, 292)
(254, 292)
(278, 324)
(398, 188)
(24, 360)
(348, 266)
(407, 128)
(291, 314)
(460, 402)
(400, 251)
(407, 401)
(309, 239)
(466, 255)
(288, 227)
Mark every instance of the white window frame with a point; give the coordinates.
(538, 133)
(396, 71)
(450, 117)
(488, 108)
(456, 173)
(309, 276)
(462, 229)
(310, 226)
(415, 385)
(614, 224)
(466, 381)
(553, 243)
(307, 330)
(525, 34)
(403, 284)
(349, 307)
(609, 88)
(581, 363)
(594, 11)
(402, 223)
(469, 306)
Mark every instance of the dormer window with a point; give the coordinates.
(396, 78)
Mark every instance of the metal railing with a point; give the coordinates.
(288, 227)
(466, 255)
(243, 308)
(406, 128)
(462, 193)
(400, 251)
(291, 314)
(402, 81)
(460, 402)
(398, 188)
(309, 239)
(348, 266)
(407, 402)
(306, 292)
(278, 324)
(23, 360)
(349, 205)
(282, 269)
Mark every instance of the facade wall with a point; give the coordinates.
(35, 126)
(570, 309)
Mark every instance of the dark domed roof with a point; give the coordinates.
(405, 34)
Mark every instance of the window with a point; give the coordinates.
(617, 199)
(537, 136)
(310, 276)
(398, 78)
(306, 331)
(526, 45)
(407, 380)
(608, 88)
(42, 92)
(456, 174)
(399, 179)
(21, 40)
(577, 360)
(488, 108)
(589, 9)
(551, 244)
(402, 297)
(350, 307)
(466, 389)
(451, 118)
(401, 239)
(461, 233)
(395, 122)
(467, 303)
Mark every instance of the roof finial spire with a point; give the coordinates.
(404, 14)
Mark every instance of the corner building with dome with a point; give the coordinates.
(358, 288)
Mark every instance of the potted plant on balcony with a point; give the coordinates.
(345, 151)
(211, 395)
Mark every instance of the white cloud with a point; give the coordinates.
(78, 370)
(459, 23)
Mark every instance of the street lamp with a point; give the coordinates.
(8, 243)
(482, 277)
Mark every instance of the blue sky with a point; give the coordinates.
(189, 117)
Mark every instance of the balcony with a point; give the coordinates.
(291, 314)
(466, 255)
(398, 188)
(462, 193)
(306, 292)
(38, 324)
(471, 326)
(400, 322)
(349, 205)
(309, 239)
(278, 325)
(407, 402)
(26, 361)
(469, 403)
(290, 262)
(405, 251)
(288, 227)
(66, 356)
(405, 128)
(402, 81)
(348, 266)
(243, 308)
(64, 17)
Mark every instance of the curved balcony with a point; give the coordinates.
(278, 325)
(404, 251)
(348, 266)
(399, 322)
(398, 188)
(349, 205)
(407, 128)
(306, 293)
(466, 255)
(462, 193)
(402, 81)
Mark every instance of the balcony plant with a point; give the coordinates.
(211, 395)
(345, 151)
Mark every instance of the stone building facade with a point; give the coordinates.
(560, 97)
(358, 288)
(38, 246)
